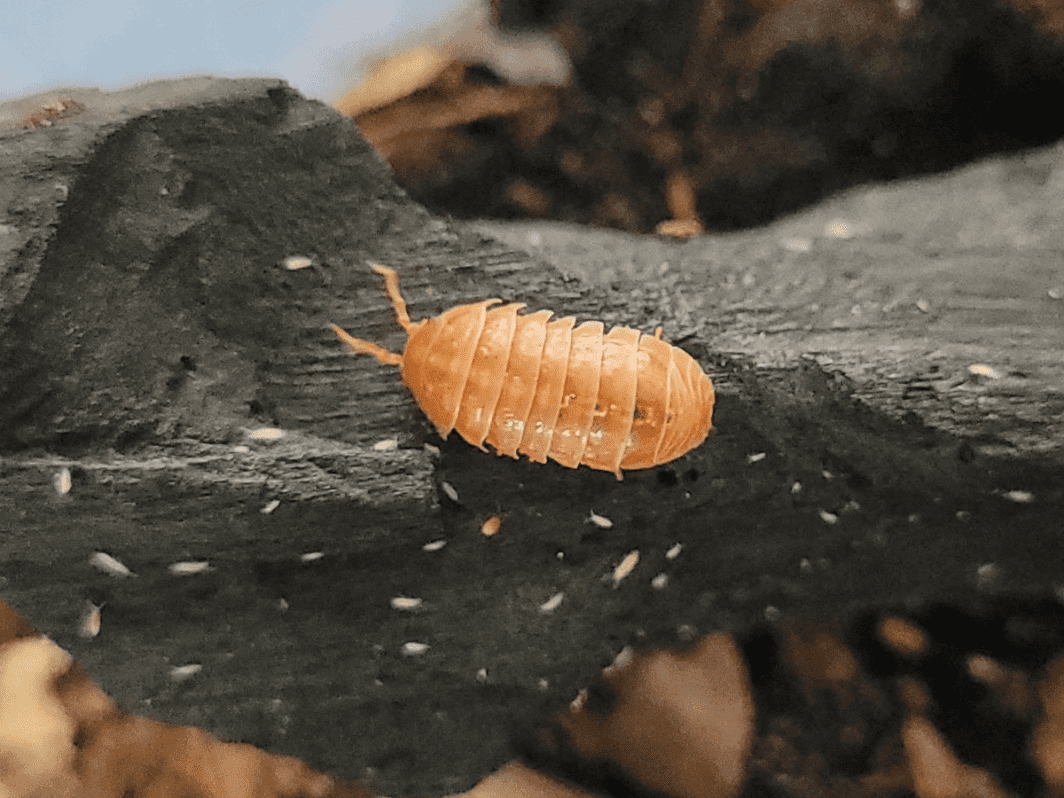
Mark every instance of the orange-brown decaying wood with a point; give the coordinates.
(523, 384)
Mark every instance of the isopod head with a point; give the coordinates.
(524, 384)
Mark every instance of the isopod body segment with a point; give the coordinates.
(524, 384)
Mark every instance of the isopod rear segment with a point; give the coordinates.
(527, 385)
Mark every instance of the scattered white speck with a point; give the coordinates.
(482, 675)
(109, 565)
(432, 450)
(851, 506)
(282, 604)
(182, 673)
(964, 515)
(406, 603)
(241, 449)
(449, 489)
(296, 262)
(577, 703)
(311, 556)
(551, 604)
(491, 526)
(434, 545)
(559, 555)
(1055, 293)
(413, 649)
(534, 239)
(756, 458)
(838, 228)
(91, 621)
(625, 567)
(63, 482)
(621, 661)
(674, 552)
(796, 244)
(828, 518)
(270, 507)
(805, 566)
(387, 445)
(686, 632)
(827, 474)
(772, 614)
(985, 371)
(189, 567)
(660, 582)
(923, 306)
(1018, 496)
(987, 573)
(543, 684)
(600, 521)
(266, 434)
(796, 487)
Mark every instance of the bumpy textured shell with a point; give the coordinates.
(523, 384)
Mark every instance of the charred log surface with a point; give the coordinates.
(729, 114)
(148, 332)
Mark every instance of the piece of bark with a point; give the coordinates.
(171, 258)
(938, 300)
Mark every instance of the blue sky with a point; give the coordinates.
(315, 44)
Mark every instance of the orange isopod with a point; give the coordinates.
(614, 401)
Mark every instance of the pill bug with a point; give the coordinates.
(612, 401)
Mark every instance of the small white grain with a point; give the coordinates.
(182, 673)
(551, 604)
(983, 370)
(63, 482)
(266, 434)
(1018, 496)
(757, 457)
(434, 545)
(91, 620)
(386, 445)
(269, 508)
(109, 565)
(987, 574)
(189, 567)
(413, 649)
(828, 518)
(449, 489)
(625, 567)
(311, 556)
(838, 228)
(674, 552)
(296, 262)
(406, 603)
(660, 582)
(600, 521)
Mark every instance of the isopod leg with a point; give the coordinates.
(360, 347)
(391, 285)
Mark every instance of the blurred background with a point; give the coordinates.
(668, 116)
(320, 47)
